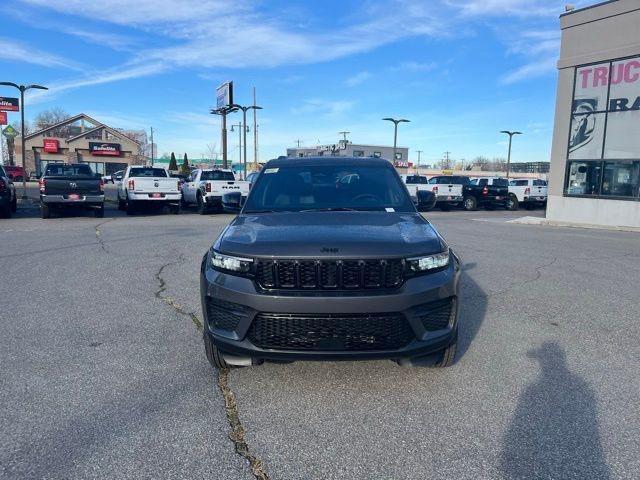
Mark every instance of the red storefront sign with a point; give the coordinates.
(3, 118)
(51, 145)
(104, 149)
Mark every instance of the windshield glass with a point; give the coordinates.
(147, 172)
(327, 187)
(216, 175)
(60, 170)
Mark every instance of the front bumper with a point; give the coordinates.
(82, 200)
(407, 300)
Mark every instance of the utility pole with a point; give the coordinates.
(344, 135)
(446, 159)
(511, 134)
(419, 152)
(298, 141)
(152, 152)
(245, 129)
(239, 125)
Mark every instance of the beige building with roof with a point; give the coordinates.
(80, 139)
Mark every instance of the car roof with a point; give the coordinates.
(328, 161)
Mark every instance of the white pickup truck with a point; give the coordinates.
(447, 189)
(528, 192)
(414, 183)
(149, 186)
(205, 188)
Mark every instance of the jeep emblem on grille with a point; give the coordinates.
(329, 250)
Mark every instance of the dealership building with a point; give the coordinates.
(595, 158)
(81, 139)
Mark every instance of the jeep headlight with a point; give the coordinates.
(230, 263)
(428, 262)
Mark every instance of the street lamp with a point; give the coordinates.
(23, 89)
(239, 125)
(395, 131)
(244, 130)
(223, 113)
(511, 134)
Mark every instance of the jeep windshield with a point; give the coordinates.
(328, 187)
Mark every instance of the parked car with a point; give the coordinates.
(8, 197)
(486, 192)
(316, 267)
(74, 185)
(150, 186)
(447, 189)
(117, 176)
(529, 193)
(16, 173)
(205, 188)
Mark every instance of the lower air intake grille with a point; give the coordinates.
(224, 315)
(435, 315)
(331, 332)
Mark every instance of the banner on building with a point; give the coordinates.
(104, 149)
(50, 145)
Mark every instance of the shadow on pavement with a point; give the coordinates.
(554, 432)
(473, 308)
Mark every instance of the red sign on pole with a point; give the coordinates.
(3, 118)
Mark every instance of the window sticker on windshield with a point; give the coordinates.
(271, 170)
(388, 209)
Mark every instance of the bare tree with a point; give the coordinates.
(47, 118)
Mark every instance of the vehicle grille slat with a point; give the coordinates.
(331, 332)
(348, 274)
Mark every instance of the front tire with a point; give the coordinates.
(130, 208)
(122, 205)
(470, 204)
(99, 212)
(213, 354)
(512, 203)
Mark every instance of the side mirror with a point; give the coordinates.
(426, 200)
(232, 202)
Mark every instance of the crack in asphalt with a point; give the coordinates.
(98, 230)
(237, 434)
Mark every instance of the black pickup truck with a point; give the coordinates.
(485, 192)
(71, 185)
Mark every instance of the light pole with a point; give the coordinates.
(223, 113)
(511, 134)
(239, 125)
(419, 152)
(23, 89)
(395, 132)
(244, 129)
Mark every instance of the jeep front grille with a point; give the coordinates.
(329, 274)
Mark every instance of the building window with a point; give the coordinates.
(620, 179)
(358, 153)
(604, 145)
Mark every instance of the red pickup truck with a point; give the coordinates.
(15, 173)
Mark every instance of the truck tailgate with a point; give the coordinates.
(154, 185)
(220, 187)
(71, 185)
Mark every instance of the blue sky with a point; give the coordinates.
(460, 70)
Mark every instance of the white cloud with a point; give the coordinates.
(534, 69)
(357, 79)
(20, 52)
(518, 8)
(319, 106)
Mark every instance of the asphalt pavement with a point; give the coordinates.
(103, 373)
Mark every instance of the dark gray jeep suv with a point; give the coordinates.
(329, 260)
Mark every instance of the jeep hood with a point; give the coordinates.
(330, 234)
